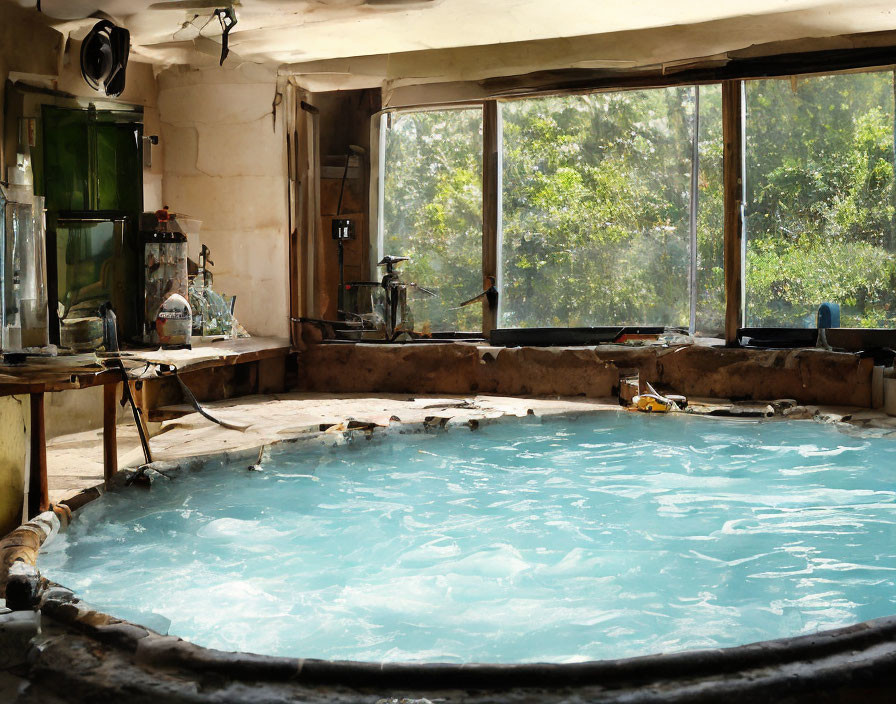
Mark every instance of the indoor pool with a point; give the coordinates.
(564, 540)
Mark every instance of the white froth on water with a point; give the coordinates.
(562, 541)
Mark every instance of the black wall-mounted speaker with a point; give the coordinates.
(104, 57)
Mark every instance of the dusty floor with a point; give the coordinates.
(75, 461)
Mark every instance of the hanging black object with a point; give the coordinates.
(227, 18)
(104, 57)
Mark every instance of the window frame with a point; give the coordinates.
(732, 78)
(377, 180)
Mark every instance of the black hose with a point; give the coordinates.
(201, 411)
(110, 340)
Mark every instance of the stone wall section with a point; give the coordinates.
(805, 375)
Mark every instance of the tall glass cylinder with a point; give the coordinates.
(24, 270)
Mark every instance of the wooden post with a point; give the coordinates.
(491, 205)
(732, 136)
(38, 486)
(110, 437)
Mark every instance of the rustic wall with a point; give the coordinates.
(225, 163)
(344, 120)
(28, 46)
(809, 376)
(15, 419)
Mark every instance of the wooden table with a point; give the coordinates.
(47, 375)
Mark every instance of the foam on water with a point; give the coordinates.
(604, 537)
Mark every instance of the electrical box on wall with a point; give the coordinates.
(343, 229)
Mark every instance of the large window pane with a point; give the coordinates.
(820, 199)
(432, 211)
(709, 292)
(597, 210)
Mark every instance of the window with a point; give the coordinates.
(820, 200)
(611, 205)
(600, 211)
(432, 211)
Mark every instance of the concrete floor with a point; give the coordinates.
(75, 461)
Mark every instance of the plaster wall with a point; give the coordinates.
(28, 47)
(225, 164)
(15, 421)
(77, 410)
(439, 75)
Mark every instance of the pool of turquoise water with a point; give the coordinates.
(607, 536)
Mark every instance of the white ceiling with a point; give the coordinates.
(293, 31)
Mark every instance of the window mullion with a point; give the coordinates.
(695, 170)
(733, 137)
(491, 206)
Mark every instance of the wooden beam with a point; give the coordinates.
(710, 70)
(315, 243)
(38, 486)
(491, 205)
(732, 137)
(110, 437)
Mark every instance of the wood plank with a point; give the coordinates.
(312, 247)
(732, 137)
(491, 206)
(272, 376)
(110, 436)
(40, 377)
(38, 485)
(222, 353)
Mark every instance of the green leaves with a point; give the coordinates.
(821, 199)
(596, 198)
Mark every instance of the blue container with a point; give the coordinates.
(828, 316)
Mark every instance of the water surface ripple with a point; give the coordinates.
(560, 541)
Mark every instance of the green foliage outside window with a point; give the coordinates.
(596, 193)
(432, 211)
(596, 204)
(820, 200)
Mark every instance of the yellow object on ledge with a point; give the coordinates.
(653, 404)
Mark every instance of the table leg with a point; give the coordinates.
(110, 437)
(38, 486)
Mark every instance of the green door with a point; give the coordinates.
(93, 182)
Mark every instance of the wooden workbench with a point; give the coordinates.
(51, 374)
